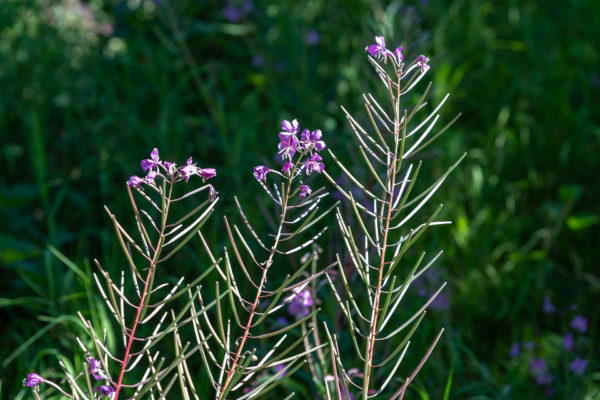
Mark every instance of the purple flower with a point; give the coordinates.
(312, 37)
(212, 193)
(287, 167)
(260, 172)
(290, 127)
(107, 391)
(539, 368)
(150, 177)
(33, 380)
(312, 139)
(206, 173)
(568, 341)
(135, 181)
(231, 13)
(515, 350)
(151, 162)
(170, 167)
(288, 145)
(548, 306)
(304, 191)
(577, 366)
(579, 323)
(300, 304)
(96, 368)
(314, 164)
(281, 370)
(398, 54)
(189, 169)
(378, 49)
(423, 63)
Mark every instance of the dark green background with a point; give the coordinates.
(87, 91)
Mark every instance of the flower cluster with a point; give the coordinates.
(379, 51)
(306, 147)
(155, 167)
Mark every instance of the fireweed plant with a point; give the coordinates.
(241, 339)
(377, 250)
(143, 316)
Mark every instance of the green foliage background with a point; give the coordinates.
(87, 90)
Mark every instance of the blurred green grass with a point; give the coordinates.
(88, 89)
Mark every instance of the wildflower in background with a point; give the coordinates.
(106, 391)
(568, 341)
(260, 172)
(314, 164)
(515, 350)
(423, 63)
(258, 61)
(33, 381)
(281, 370)
(304, 191)
(151, 162)
(578, 365)
(528, 345)
(312, 37)
(548, 306)
(300, 304)
(135, 181)
(96, 368)
(378, 49)
(312, 139)
(207, 173)
(539, 368)
(579, 323)
(231, 13)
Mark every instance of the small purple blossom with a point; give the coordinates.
(212, 193)
(579, 323)
(398, 54)
(232, 13)
(260, 172)
(151, 162)
(107, 391)
(96, 368)
(312, 139)
(207, 173)
(288, 145)
(150, 176)
(378, 49)
(568, 341)
(290, 127)
(578, 365)
(423, 63)
(300, 304)
(170, 167)
(515, 350)
(135, 181)
(281, 370)
(33, 380)
(287, 167)
(312, 37)
(304, 191)
(189, 169)
(539, 368)
(314, 164)
(548, 306)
